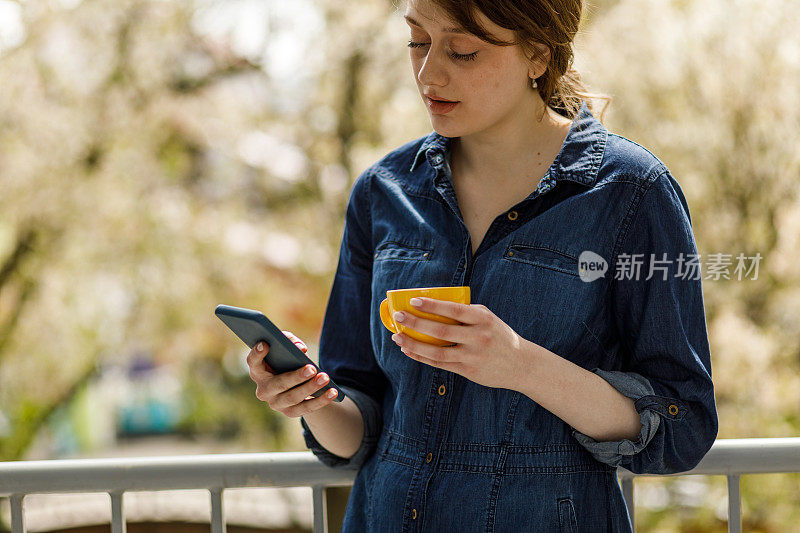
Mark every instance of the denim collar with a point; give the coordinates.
(578, 160)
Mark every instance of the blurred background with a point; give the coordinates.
(160, 157)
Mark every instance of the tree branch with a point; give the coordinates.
(22, 248)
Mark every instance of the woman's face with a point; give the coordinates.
(489, 83)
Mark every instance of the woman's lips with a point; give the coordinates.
(440, 107)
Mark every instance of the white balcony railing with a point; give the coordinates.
(729, 457)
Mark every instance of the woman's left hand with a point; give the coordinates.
(487, 350)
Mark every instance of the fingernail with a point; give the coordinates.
(321, 379)
(399, 316)
(416, 302)
(308, 371)
(332, 393)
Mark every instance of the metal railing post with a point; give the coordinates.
(217, 516)
(320, 510)
(734, 504)
(117, 514)
(17, 514)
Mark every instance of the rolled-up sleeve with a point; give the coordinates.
(664, 358)
(345, 350)
(635, 387)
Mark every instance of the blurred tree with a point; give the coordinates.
(152, 168)
(130, 203)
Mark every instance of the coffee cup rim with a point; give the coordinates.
(417, 289)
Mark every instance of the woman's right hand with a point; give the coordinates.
(289, 392)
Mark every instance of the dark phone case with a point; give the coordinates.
(283, 356)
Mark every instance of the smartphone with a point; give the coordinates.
(283, 356)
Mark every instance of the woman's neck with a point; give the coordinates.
(515, 149)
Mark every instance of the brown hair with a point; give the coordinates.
(552, 23)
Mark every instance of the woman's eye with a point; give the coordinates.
(412, 44)
(463, 57)
(454, 55)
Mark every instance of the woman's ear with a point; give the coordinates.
(539, 59)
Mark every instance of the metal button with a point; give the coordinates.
(673, 409)
(429, 458)
(425, 254)
(413, 514)
(512, 215)
(437, 159)
(511, 253)
(441, 390)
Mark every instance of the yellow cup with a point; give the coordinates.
(398, 300)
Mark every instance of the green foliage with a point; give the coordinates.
(27, 416)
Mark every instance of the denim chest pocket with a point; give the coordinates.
(393, 250)
(541, 295)
(396, 265)
(542, 256)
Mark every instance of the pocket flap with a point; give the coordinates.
(403, 252)
(543, 257)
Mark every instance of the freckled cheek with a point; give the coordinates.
(487, 85)
(496, 84)
(498, 78)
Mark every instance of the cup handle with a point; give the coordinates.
(385, 318)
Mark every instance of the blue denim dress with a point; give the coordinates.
(442, 453)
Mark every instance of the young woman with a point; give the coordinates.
(585, 347)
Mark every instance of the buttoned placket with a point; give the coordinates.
(438, 403)
(500, 226)
(436, 415)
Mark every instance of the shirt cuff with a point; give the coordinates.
(633, 386)
(373, 422)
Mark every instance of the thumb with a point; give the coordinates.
(260, 349)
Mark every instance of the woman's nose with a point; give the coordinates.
(432, 71)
